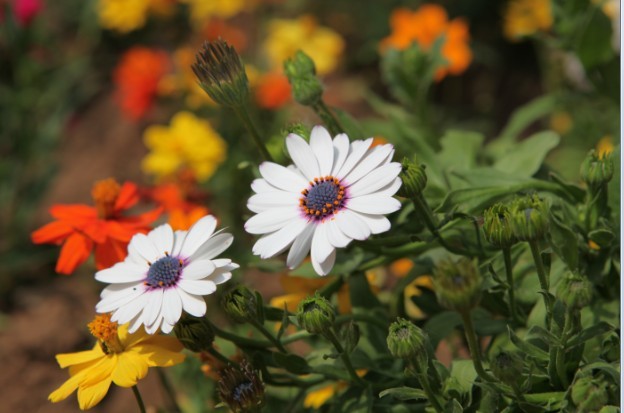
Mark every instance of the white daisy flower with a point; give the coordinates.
(334, 193)
(164, 273)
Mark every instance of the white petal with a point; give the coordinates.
(113, 301)
(130, 310)
(172, 306)
(214, 246)
(341, 150)
(302, 156)
(122, 272)
(374, 157)
(273, 244)
(266, 200)
(300, 247)
(220, 276)
(282, 178)
(198, 269)
(145, 248)
(178, 242)
(323, 148)
(135, 323)
(375, 180)
(162, 238)
(335, 236)
(153, 328)
(324, 267)
(351, 225)
(165, 327)
(192, 304)
(376, 223)
(222, 262)
(321, 248)
(391, 188)
(114, 289)
(198, 234)
(271, 220)
(198, 287)
(153, 307)
(374, 204)
(356, 152)
(261, 185)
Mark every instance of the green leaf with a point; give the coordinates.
(523, 117)
(614, 185)
(603, 237)
(460, 149)
(292, 363)
(563, 240)
(607, 368)
(594, 43)
(589, 333)
(528, 348)
(528, 155)
(575, 191)
(465, 374)
(404, 393)
(453, 406)
(441, 325)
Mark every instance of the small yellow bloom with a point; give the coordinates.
(415, 289)
(117, 357)
(285, 37)
(318, 397)
(189, 142)
(526, 17)
(604, 146)
(123, 15)
(561, 122)
(202, 10)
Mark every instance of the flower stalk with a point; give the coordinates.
(473, 346)
(139, 399)
(330, 334)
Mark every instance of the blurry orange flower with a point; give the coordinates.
(272, 91)
(424, 26)
(182, 212)
(81, 228)
(299, 288)
(136, 79)
(219, 28)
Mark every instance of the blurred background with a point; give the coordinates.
(89, 88)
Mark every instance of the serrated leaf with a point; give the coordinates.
(589, 333)
(404, 393)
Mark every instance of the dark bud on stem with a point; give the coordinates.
(241, 389)
(407, 341)
(575, 291)
(413, 177)
(507, 367)
(316, 315)
(457, 284)
(240, 304)
(497, 226)
(195, 333)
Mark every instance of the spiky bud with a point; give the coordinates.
(413, 177)
(575, 291)
(240, 304)
(407, 341)
(596, 170)
(497, 226)
(195, 333)
(457, 284)
(316, 314)
(241, 388)
(301, 73)
(529, 218)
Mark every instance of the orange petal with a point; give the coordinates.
(52, 233)
(110, 253)
(128, 196)
(73, 213)
(74, 252)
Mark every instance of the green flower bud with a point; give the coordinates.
(241, 389)
(407, 341)
(507, 367)
(529, 218)
(315, 314)
(298, 129)
(221, 74)
(414, 179)
(240, 304)
(497, 226)
(457, 284)
(575, 291)
(195, 333)
(301, 73)
(596, 170)
(589, 394)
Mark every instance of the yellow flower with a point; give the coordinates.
(561, 122)
(285, 37)
(188, 142)
(604, 146)
(415, 289)
(202, 10)
(298, 289)
(316, 398)
(117, 357)
(123, 15)
(526, 17)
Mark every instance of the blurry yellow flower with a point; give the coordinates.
(609, 7)
(285, 37)
(415, 289)
(202, 10)
(526, 17)
(183, 80)
(117, 357)
(163, 8)
(561, 122)
(316, 398)
(604, 146)
(189, 142)
(298, 289)
(593, 246)
(123, 15)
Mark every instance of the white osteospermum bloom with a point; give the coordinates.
(336, 191)
(164, 273)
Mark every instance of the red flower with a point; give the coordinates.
(26, 10)
(81, 228)
(273, 91)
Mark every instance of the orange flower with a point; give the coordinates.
(182, 212)
(219, 28)
(424, 26)
(298, 289)
(273, 91)
(81, 228)
(136, 79)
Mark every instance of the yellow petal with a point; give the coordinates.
(130, 368)
(89, 396)
(156, 356)
(318, 397)
(66, 389)
(291, 301)
(164, 342)
(101, 371)
(80, 357)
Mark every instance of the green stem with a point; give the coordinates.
(213, 352)
(139, 399)
(328, 117)
(366, 318)
(243, 115)
(262, 329)
(299, 335)
(331, 336)
(560, 358)
(424, 382)
(543, 279)
(510, 281)
(426, 213)
(475, 351)
(173, 403)
(238, 340)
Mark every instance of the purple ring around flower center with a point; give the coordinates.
(164, 273)
(325, 197)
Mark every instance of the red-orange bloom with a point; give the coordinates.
(182, 212)
(272, 91)
(81, 228)
(424, 26)
(136, 78)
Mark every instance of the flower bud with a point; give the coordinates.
(241, 389)
(457, 284)
(596, 170)
(407, 341)
(195, 333)
(221, 74)
(589, 394)
(575, 291)
(529, 218)
(350, 336)
(507, 367)
(240, 304)
(298, 129)
(413, 177)
(315, 314)
(497, 226)
(301, 73)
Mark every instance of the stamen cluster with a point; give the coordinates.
(325, 197)
(164, 273)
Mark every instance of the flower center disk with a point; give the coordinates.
(164, 273)
(324, 197)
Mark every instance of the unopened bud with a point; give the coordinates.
(507, 367)
(529, 218)
(195, 333)
(497, 226)
(241, 389)
(575, 291)
(301, 73)
(240, 304)
(413, 177)
(597, 170)
(315, 314)
(457, 284)
(407, 341)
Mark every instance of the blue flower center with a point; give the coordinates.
(239, 391)
(325, 197)
(164, 273)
